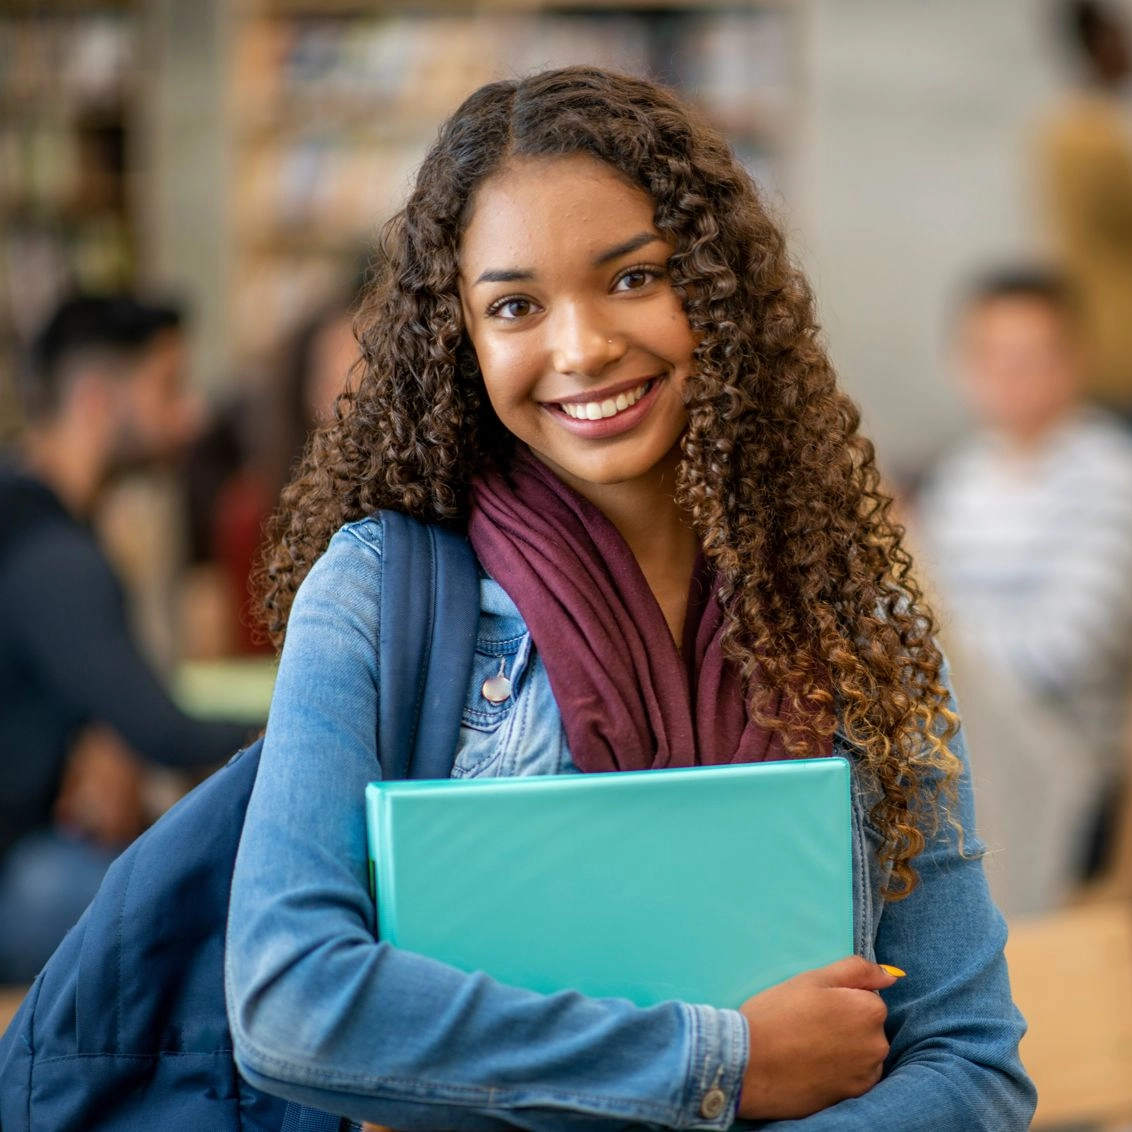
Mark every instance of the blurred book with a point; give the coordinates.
(238, 689)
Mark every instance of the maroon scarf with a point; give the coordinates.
(629, 701)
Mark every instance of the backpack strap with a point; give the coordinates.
(429, 610)
(299, 1118)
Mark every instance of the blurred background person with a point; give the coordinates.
(237, 469)
(1027, 529)
(103, 394)
(1086, 173)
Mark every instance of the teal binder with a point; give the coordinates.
(705, 884)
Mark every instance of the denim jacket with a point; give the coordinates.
(324, 1013)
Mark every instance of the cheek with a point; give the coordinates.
(140, 410)
(510, 370)
(678, 340)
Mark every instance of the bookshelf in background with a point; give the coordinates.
(68, 87)
(332, 106)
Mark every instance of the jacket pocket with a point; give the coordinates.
(497, 671)
(490, 704)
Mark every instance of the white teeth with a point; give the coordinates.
(600, 410)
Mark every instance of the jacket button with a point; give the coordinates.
(713, 1104)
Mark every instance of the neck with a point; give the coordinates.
(67, 461)
(657, 531)
(1026, 443)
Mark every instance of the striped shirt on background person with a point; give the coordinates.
(1033, 560)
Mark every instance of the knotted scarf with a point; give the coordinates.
(630, 700)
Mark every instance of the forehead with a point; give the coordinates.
(559, 205)
(1016, 316)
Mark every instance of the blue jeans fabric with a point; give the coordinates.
(324, 1013)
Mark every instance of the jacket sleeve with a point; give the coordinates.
(323, 1013)
(953, 1065)
(69, 621)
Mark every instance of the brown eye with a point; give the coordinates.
(511, 308)
(636, 278)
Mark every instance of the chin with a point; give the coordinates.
(610, 472)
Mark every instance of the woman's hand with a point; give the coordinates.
(816, 1039)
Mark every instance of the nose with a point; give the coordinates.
(583, 342)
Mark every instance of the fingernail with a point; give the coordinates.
(894, 971)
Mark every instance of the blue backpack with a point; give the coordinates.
(125, 1028)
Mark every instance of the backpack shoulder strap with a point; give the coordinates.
(300, 1118)
(429, 610)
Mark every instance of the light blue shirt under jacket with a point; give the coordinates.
(323, 1013)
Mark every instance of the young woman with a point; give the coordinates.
(591, 351)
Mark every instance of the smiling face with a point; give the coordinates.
(582, 341)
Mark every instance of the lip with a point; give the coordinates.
(606, 394)
(607, 426)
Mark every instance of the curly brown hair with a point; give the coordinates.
(783, 491)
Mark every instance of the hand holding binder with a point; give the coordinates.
(816, 1039)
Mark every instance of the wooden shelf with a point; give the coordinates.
(341, 8)
(333, 103)
(69, 89)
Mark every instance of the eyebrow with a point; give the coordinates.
(515, 275)
(504, 276)
(632, 245)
